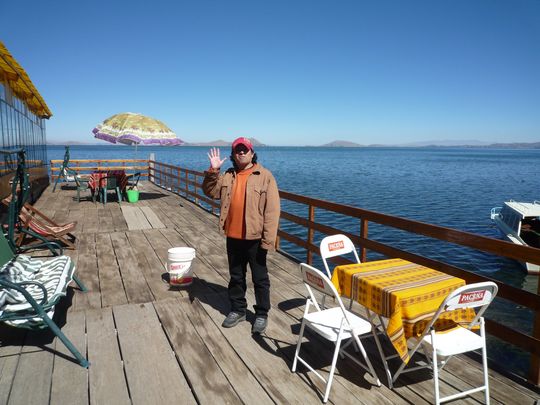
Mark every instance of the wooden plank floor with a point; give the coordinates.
(150, 344)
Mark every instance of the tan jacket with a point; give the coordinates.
(262, 202)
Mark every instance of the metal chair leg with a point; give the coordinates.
(56, 182)
(79, 283)
(332, 370)
(298, 344)
(56, 330)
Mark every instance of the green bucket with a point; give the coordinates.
(132, 195)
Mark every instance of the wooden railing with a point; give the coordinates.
(187, 183)
(11, 166)
(87, 166)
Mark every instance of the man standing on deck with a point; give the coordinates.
(249, 217)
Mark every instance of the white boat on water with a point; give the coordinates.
(519, 222)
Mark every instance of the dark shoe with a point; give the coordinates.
(259, 326)
(233, 319)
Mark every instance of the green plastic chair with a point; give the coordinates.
(82, 185)
(30, 288)
(111, 183)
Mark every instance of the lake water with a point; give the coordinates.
(455, 188)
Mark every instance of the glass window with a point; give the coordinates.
(510, 217)
(20, 129)
(8, 98)
(3, 125)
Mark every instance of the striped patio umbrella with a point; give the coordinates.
(130, 128)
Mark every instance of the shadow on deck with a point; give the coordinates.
(151, 344)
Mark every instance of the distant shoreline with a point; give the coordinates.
(517, 145)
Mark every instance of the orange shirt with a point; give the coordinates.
(235, 225)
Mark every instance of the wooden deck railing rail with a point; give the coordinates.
(87, 166)
(188, 183)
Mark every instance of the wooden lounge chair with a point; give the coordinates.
(20, 191)
(30, 288)
(38, 222)
(34, 220)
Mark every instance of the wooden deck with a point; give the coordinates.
(148, 344)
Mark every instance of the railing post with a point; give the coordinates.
(52, 172)
(151, 173)
(187, 185)
(363, 234)
(177, 181)
(195, 189)
(165, 177)
(311, 218)
(534, 371)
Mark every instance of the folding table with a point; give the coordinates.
(406, 293)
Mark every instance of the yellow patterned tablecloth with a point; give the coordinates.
(406, 293)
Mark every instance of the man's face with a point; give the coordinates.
(242, 156)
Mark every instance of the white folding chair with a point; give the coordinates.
(336, 245)
(339, 245)
(334, 324)
(459, 340)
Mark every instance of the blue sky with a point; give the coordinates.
(287, 72)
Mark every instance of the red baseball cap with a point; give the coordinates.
(242, 141)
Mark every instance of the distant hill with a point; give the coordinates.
(221, 142)
(517, 145)
(218, 142)
(72, 143)
(348, 144)
(341, 144)
(446, 142)
(440, 144)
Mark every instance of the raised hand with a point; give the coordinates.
(215, 158)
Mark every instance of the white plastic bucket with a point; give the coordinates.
(179, 265)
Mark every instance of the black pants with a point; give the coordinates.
(241, 252)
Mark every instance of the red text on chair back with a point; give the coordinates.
(316, 280)
(474, 295)
(336, 245)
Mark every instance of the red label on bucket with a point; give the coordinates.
(179, 266)
(180, 281)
